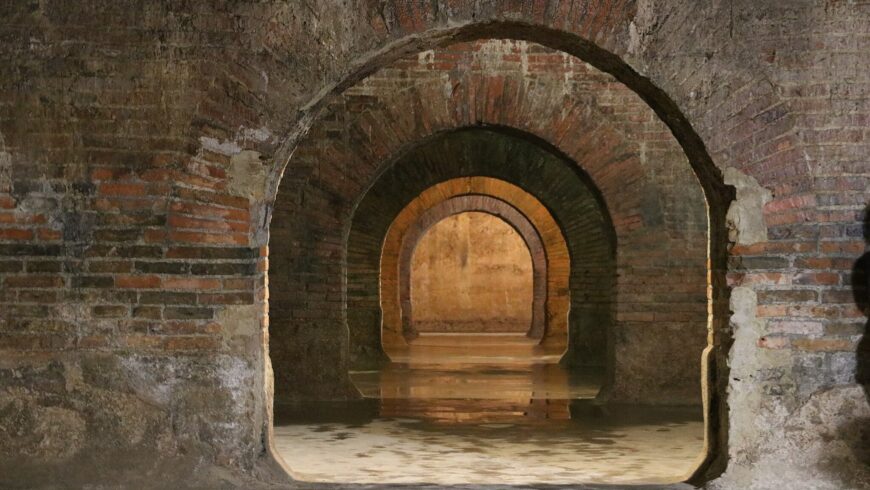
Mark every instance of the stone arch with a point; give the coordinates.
(630, 34)
(423, 29)
(717, 194)
(503, 155)
(716, 78)
(608, 162)
(493, 206)
(405, 225)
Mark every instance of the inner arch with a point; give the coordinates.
(555, 326)
(470, 273)
(556, 137)
(495, 207)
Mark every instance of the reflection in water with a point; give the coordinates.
(449, 415)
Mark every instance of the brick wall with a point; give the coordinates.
(633, 164)
(775, 91)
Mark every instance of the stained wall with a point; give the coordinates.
(471, 272)
(140, 146)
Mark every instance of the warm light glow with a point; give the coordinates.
(471, 272)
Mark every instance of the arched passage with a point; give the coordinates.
(470, 273)
(379, 131)
(634, 214)
(556, 254)
(495, 207)
(767, 114)
(536, 173)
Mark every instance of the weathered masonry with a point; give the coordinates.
(202, 204)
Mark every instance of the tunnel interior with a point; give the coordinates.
(469, 272)
(522, 253)
(240, 245)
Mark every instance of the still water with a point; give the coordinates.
(452, 419)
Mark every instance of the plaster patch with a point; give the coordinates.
(247, 175)
(241, 325)
(491, 54)
(243, 319)
(234, 375)
(257, 134)
(149, 384)
(742, 360)
(225, 147)
(745, 218)
(826, 432)
(640, 28)
(426, 57)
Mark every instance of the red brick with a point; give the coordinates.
(191, 283)
(178, 221)
(205, 210)
(125, 190)
(154, 236)
(817, 278)
(47, 234)
(213, 238)
(851, 248)
(825, 345)
(137, 282)
(15, 234)
(37, 281)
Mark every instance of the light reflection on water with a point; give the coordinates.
(518, 423)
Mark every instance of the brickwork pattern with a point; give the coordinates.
(633, 164)
(157, 102)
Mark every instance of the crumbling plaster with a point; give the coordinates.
(795, 416)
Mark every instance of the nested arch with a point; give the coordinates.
(486, 204)
(506, 156)
(389, 132)
(471, 274)
(408, 222)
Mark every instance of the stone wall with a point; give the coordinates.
(140, 149)
(532, 242)
(622, 157)
(471, 272)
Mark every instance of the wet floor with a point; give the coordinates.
(452, 416)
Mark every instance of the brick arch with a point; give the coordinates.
(407, 223)
(593, 36)
(609, 28)
(566, 125)
(716, 79)
(610, 34)
(508, 156)
(574, 129)
(485, 204)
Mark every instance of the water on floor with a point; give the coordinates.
(453, 415)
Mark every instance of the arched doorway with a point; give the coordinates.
(497, 208)
(470, 272)
(649, 212)
(526, 213)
